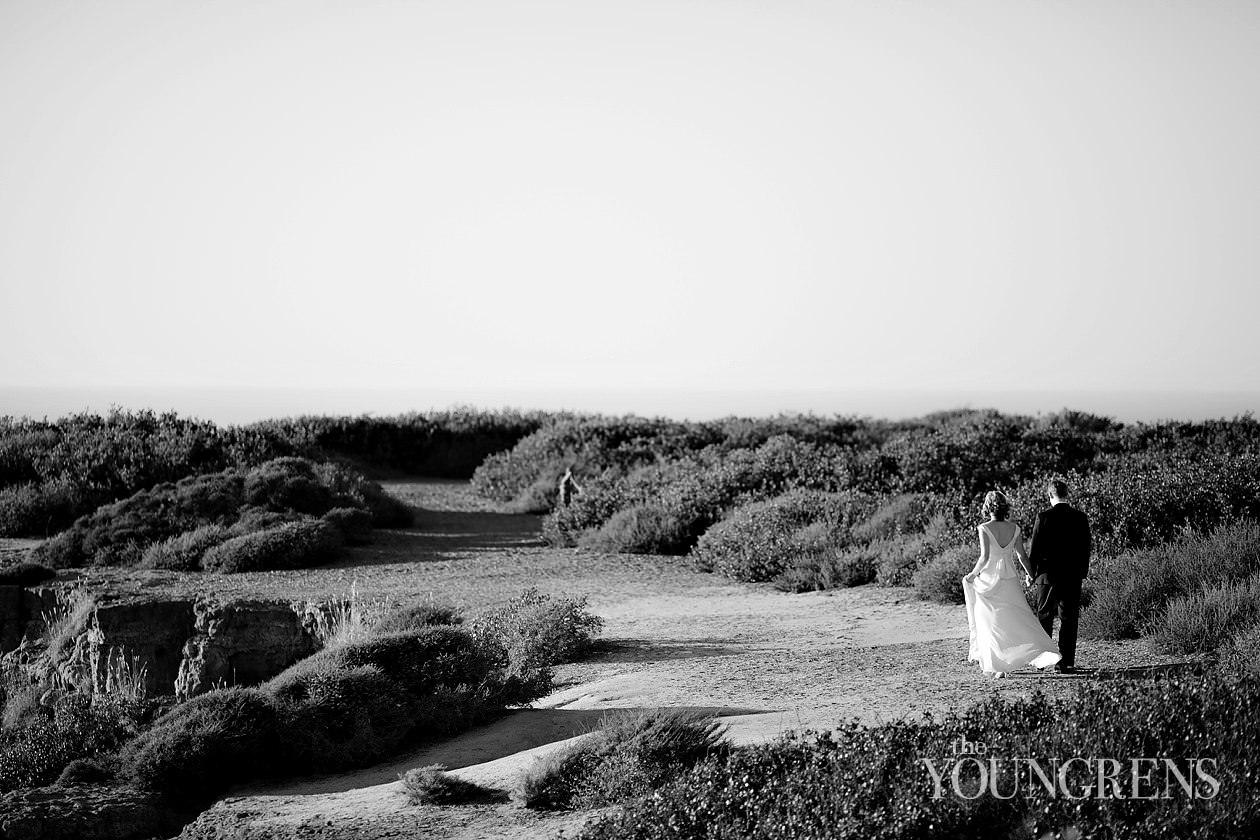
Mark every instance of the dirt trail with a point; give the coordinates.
(766, 661)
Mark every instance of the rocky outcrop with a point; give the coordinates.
(184, 646)
(148, 632)
(85, 813)
(241, 643)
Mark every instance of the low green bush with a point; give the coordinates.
(648, 528)
(85, 771)
(534, 631)
(203, 746)
(861, 782)
(1209, 619)
(183, 552)
(335, 716)
(25, 574)
(665, 508)
(354, 524)
(814, 571)
(287, 484)
(761, 540)
(433, 785)
(294, 545)
(940, 579)
(175, 525)
(44, 508)
(632, 753)
(421, 661)
(1129, 594)
(898, 516)
(900, 557)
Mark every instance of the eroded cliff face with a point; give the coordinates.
(241, 643)
(185, 646)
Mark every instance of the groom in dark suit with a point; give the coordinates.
(1059, 557)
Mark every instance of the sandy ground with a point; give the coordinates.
(765, 661)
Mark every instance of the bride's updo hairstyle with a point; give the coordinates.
(996, 506)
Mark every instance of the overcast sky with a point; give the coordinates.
(788, 194)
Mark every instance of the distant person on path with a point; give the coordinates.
(568, 488)
(1059, 556)
(1004, 632)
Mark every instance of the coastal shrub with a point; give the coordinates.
(25, 574)
(53, 472)
(643, 529)
(758, 541)
(632, 753)
(334, 716)
(679, 501)
(421, 661)
(533, 631)
(294, 545)
(277, 492)
(416, 617)
(203, 746)
(590, 445)
(287, 484)
(434, 785)
(898, 558)
(387, 511)
(860, 782)
(1209, 619)
(1137, 501)
(908, 513)
(940, 579)
(36, 750)
(85, 771)
(354, 524)
(818, 570)
(183, 552)
(44, 508)
(254, 519)
(1129, 594)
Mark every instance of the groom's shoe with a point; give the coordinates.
(1065, 669)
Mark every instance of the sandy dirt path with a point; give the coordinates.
(764, 660)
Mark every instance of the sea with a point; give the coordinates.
(234, 406)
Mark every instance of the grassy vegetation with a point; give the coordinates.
(860, 782)
(54, 472)
(284, 513)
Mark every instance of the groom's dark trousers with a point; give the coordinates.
(1059, 559)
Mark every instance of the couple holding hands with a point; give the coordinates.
(1005, 633)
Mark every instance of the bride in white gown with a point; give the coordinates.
(1005, 634)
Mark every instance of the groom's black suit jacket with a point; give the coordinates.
(1061, 544)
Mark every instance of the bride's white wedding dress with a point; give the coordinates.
(1005, 634)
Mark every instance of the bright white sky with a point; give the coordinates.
(783, 193)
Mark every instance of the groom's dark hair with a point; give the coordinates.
(1059, 488)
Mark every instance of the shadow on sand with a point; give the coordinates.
(515, 732)
(437, 534)
(644, 650)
